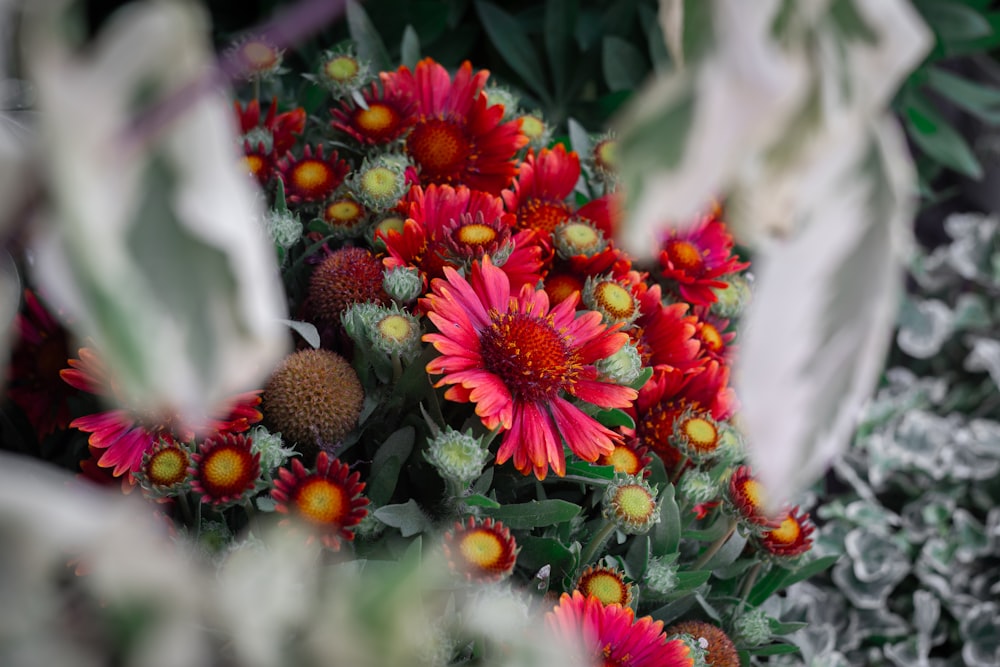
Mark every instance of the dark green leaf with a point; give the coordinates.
(673, 610)
(779, 628)
(479, 500)
(637, 558)
(388, 461)
(623, 64)
(775, 649)
(614, 417)
(666, 534)
(770, 583)
(932, 133)
(312, 98)
(534, 514)
(658, 53)
(811, 569)
(687, 581)
(514, 46)
(560, 19)
(975, 97)
(955, 22)
(643, 378)
(589, 471)
(537, 552)
(409, 49)
(408, 518)
(729, 552)
(366, 37)
(851, 23)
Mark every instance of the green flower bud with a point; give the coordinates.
(380, 182)
(661, 575)
(403, 283)
(457, 456)
(697, 486)
(631, 503)
(622, 367)
(753, 627)
(733, 299)
(269, 445)
(283, 227)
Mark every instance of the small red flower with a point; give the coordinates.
(313, 177)
(544, 183)
(746, 497)
(694, 258)
(792, 537)
(606, 584)
(481, 551)
(389, 114)
(225, 470)
(328, 499)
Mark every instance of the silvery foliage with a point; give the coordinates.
(919, 528)
(89, 577)
(815, 174)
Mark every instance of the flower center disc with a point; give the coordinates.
(475, 234)
(438, 147)
(787, 533)
(561, 286)
(168, 467)
(684, 255)
(254, 164)
(701, 433)
(225, 469)
(344, 212)
(321, 501)
(527, 354)
(259, 55)
(634, 503)
(614, 300)
(624, 460)
(311, 176)
(394, 327)
(342, 68)
(482, 548)
(581, 237)
(655, 430)
(532, 127)
(606, 155)
(391, 225)
(378, 182)
(606, 587)
(753, 492)
(378, 120)
(711, 337)
(543, 216)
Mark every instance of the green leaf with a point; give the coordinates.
(643, 378)
(479, 500)
(673, 610)
(623, 65)
(366, 37)
(687, 581)
(614, 417)
(306, 330)
(408, 518)
(560, 19)
(779, 628)
(579, 138)
(666, 537)
(589, 471)
(537, 552)
(932, 133)
(729, 552)
(658, 53)
(977, 98)
(770, 583)
(811, 569)
(514, 46)
(954, 22)
(637, 557)
(534, 514)
(775, 649)
(387, 464)
(409, 48)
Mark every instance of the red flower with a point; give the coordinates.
(481, 551)
(665, 334)
(516, 359)
(124, 435)
(456, 137)
(792, 537)
(543, 184)
(389, 114)
(328, 499)
(694, 258)
(225, 470)
(284, 127)
(311, 178)
(746, 496)
(33, 382)
(610, 635)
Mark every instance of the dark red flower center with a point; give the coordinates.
(528, 355)
(439, 147)
(543, 215)
(561, 286)
(654, 431)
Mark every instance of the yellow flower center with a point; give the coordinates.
(475, 234)
(311, 175)
(684, 255)
(606, 587)
(711, 337)
(580, 236)
(167, 467)
(624, 460)
(379, 182)
(344, 211)
(259, 55)
(532, 127)
(542, 215)
(482, 548)
(788, 532)
(226, 469)
(701, 434)
(342, 69)
(633, 503)
(753, 491)
(561, 286)
(254, 164)
(377, 119)
(321, 501)
(389, 225)
(614, 300)
(395, 328)
(439, 147)
(606, 154)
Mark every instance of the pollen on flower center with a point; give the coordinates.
(224, 467)
(532, 127)
(711, 337)
(376, 118)
(343, 211)
(753, 492)
(614, 299)
(321, 501)
(342, 68)
(310, 174)
(475, 234)
(788, 532)
(254, 164)
(684, 255)
(482, 548)
(624, 460)
(168, 466)
(378, 181)
(527, 354)
(581, 236)
(438, 146)
(395, 327)
(701, 433)
(543, 216)
(635, 501)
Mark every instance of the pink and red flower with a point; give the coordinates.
(694, 258)
(517, 359)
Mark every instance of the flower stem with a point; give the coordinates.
(397, 368)
(680, 469)
(715, 546)
(185, 507)
(750, 580)
(596, 541)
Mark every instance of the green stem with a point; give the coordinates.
(680, 469)
(596, 541)
(252, 521)
(397, 368)
(714, 547)
(488, 439)
(750, 580)
(185, 507)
